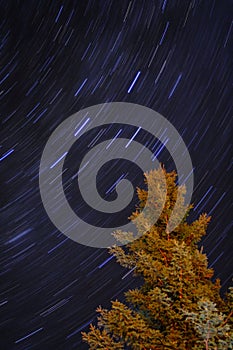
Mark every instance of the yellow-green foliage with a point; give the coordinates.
(167, 311)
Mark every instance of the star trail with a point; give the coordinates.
(57, 58)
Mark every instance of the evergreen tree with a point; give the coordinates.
(178, 306)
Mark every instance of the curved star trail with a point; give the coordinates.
(57, 58)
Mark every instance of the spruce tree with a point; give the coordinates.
(178, 306)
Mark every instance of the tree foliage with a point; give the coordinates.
(178, 306)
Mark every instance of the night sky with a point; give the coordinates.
(59, 57)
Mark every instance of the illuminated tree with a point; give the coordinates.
(178, 306)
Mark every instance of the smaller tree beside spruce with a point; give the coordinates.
(178, 306)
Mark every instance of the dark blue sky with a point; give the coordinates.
(59, 57)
